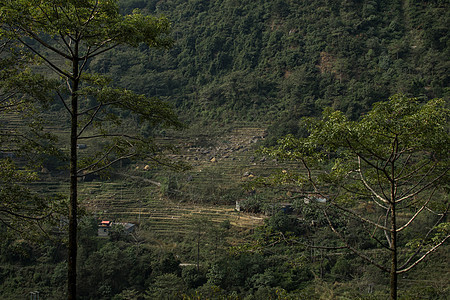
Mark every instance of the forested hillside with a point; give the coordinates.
(281, 60)
(252, 158)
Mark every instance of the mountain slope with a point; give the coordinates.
(281, 60)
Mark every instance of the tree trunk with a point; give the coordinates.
(198, 250)
(73, 205)
(393, 282)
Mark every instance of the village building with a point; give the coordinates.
(104, 228)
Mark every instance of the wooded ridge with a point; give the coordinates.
(224, 149)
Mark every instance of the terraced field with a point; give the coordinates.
(134, 198)
(163, 217)
(219, 168)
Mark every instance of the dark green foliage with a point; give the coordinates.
(166, 286)
(121, 270)
(168, 263)
(232, 273)
(225, 224)
(399, 154)
(192, 277)
(256, 274)
(24, 145)
(284, 223)
(270, 61)
(251, 204)
(107, 269)
(342, 269)
(113, 268)
(67, 36)
(262, 60)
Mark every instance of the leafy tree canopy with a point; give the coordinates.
(394, 158)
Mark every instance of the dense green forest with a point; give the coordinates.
(266, 60)
(275, 97)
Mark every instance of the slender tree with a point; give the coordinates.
(393, 161)
(66, 35)
(198, 225)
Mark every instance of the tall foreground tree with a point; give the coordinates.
(389, 171)
(66, 35)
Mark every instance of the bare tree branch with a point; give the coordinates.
(91, 15)
(10, 227)
(109, 135)
(316, 189)
(386, 234)
(380, 184)
(359, 216)
(417, 212)
(52, 65)
(95, 107)
(367, 185)
(64, 102)
(432, 182)
(372, 235)
(108, 165)
(423, 256)
(61, 35)
(410, 174)
(105, 155)
(360, 254)
(85, 60)
(426, 236)
(94, 53)
(24, 216)
(45, 44)
(91, 119)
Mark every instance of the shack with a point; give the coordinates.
(105, 227)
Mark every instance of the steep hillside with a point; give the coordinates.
(242, 73)
(281, 60)
(241, 70)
